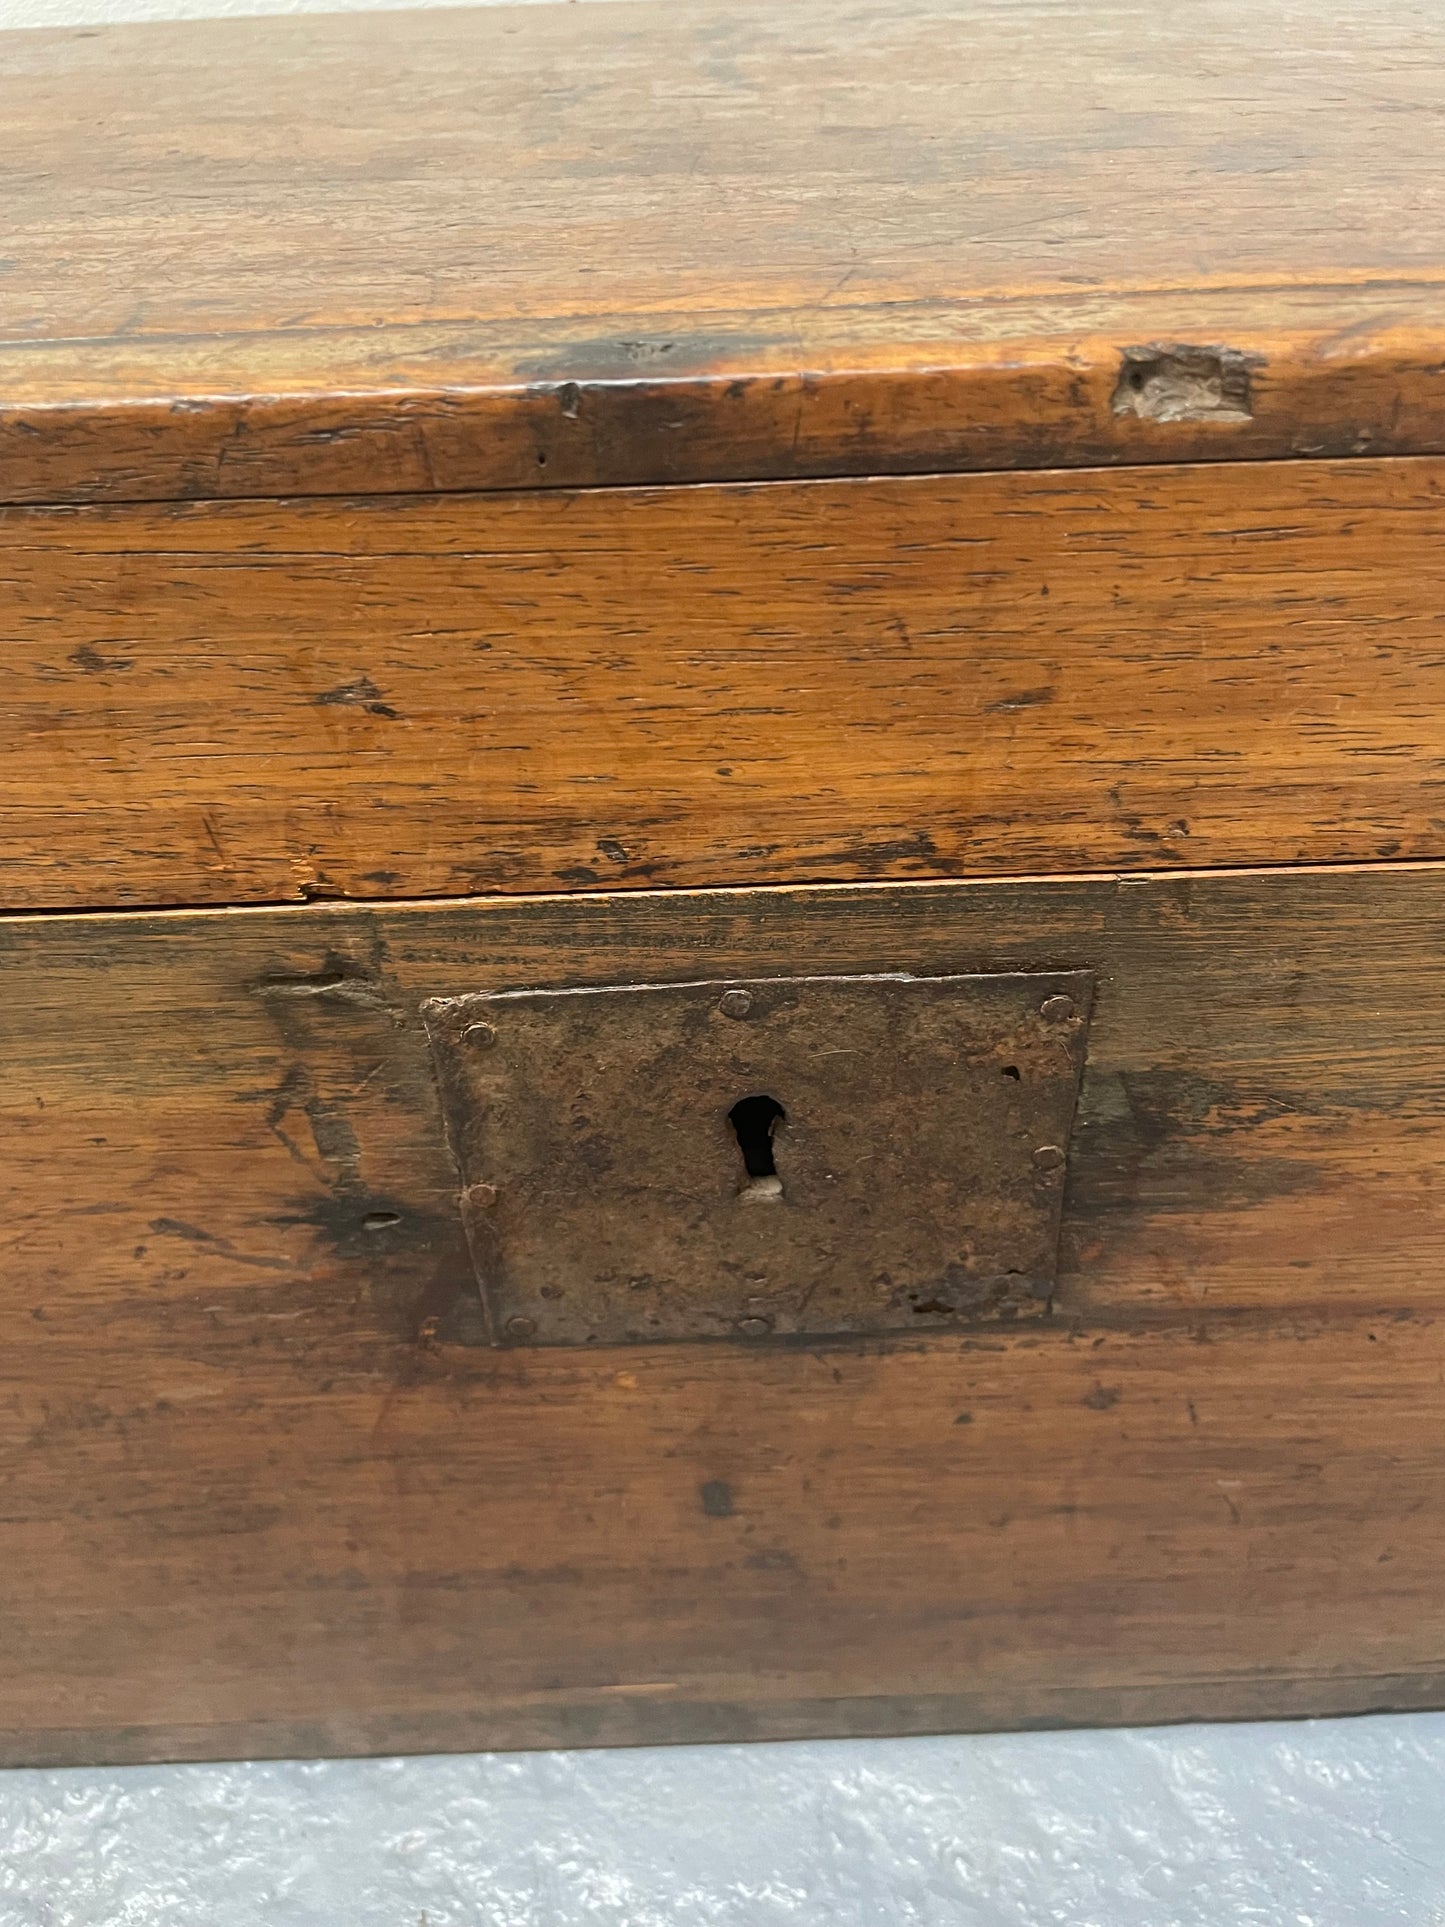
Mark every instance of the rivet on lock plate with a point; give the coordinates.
(747, 1159)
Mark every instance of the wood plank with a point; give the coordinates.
(717, 686)
(260, 1495)
(742, 240)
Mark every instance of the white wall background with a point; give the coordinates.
(1323, 1824)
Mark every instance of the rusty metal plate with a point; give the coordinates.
(794, 1155)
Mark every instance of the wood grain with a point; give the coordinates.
(715, 686)
(525, 247)
(261, 1495)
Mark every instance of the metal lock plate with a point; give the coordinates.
(805, 1155)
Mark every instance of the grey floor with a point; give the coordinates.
(1333, 1823)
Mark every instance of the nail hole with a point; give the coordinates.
(754, 1120)
(380, 1220)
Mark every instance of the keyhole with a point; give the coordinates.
(754, 1119)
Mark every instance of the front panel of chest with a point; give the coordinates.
(722, 1313)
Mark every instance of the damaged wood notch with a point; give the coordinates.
(1184, 384)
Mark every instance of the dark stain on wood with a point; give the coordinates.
(717, 1498)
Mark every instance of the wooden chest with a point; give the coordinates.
(722, 811)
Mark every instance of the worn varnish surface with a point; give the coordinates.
(932, 676)
(527, 247)
(261, 1494)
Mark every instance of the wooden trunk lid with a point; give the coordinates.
(553, 247)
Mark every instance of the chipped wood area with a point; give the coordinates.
(834, 681)
(1182, 383)
(705, 275)
(261, 1496)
